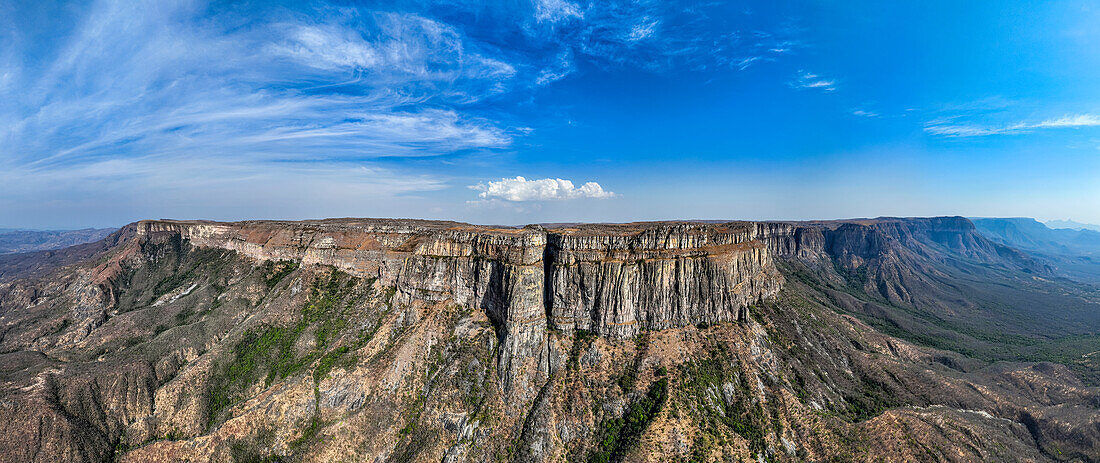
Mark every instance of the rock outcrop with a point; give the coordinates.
(616, 280)
(613, 280)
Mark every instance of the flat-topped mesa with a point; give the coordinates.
(614, 280)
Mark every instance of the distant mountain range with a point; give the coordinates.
(1074, 253)
(1072, 225)
(15, 241)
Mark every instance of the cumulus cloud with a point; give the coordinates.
(809, 80)
(949, 128)
(521, 189)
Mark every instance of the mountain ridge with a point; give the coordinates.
(1074, 253)
(18, 241)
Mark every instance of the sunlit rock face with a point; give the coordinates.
(613, 280)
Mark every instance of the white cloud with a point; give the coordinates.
(864, 113)
(948, 128)
(521, 189)
(657, 36)
(556, 10)
(407, 48)
(813, 81)
(129, 84)
(558, 71)
(746, 62)
(332, 48)
(642, 30)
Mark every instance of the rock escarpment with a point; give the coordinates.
(614, 280)
(611, 280)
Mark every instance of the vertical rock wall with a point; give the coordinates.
(614, 280)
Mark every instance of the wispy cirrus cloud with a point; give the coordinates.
(405, 51)
(143, 87)
(658, 36)
(643, 30)
(556, 10)
(131, 80)
(809, 80)
(948, 127)
(546, 189)
(110, 92)
(557, 71)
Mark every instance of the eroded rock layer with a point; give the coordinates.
(614, 280)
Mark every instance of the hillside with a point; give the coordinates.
(1074, 253)
(402, 340)
(15, 241)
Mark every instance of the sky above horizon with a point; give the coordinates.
(547, 110)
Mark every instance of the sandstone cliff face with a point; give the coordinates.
(619, 280)
(611, 280)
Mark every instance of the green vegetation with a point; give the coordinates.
(855, 279)
(1008, 320)
(581, 340)
(182, 316)
(704, 385)
(272, 352)
(176, 265)
(328, 361)
(274, 272)
(308, 432)
(873, 399)
(64, 325)
(619, 435)
(251, 450)
(412, 416)
(630, 376)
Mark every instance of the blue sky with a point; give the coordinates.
(551, 110)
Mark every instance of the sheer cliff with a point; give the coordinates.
(406, 340)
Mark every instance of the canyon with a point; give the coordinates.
(413, 340)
